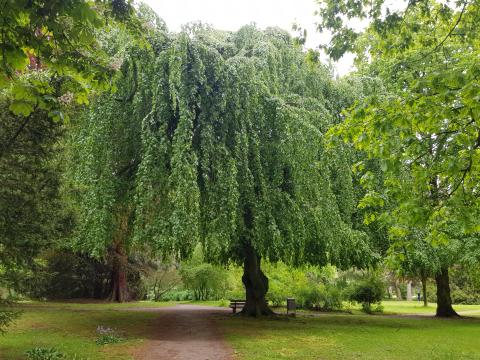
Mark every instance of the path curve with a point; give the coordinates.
(185, 332)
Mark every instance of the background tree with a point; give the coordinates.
(32, 216)
(424, 127)
(104, 152)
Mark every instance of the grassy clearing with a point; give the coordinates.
(71, 328)
(334, 336)
(415, 307)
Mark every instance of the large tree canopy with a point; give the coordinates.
(218, 138)
(422, 123)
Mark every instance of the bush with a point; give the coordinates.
(277, 293)
(366, 292)
(44, 354)
(205, 281)
(320, 297)
(460, 296)
(7, 316)
(177, 295)
(223, 303)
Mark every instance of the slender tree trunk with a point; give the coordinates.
(256, 285)
(397, 290)
(409, 290)
(424, 290)
(444, 300)
(119, 274)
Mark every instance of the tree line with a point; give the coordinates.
(120, 137)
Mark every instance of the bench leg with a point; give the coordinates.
(234, 309)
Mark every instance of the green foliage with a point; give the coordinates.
(421, 124)
(162, 281)
(204, 280)
(60, 38)
(108, 339)
(320, 297)
(366, 292)
(217, 138)
(107, 336)
(7, 317)
(44, 354)
(465, 285)
(32, 215)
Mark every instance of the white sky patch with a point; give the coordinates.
(233, 14)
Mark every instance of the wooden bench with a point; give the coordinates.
(234, 304)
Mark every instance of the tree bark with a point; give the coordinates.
(409, 290)
(256, 285)
(397, 290)
(424, 290)
(444, 300)
(119, 275)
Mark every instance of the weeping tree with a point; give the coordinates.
(220, 142)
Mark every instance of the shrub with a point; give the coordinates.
(223, 303)
(277, 293)
(460, 296)
(320, 297)
(7, 316)
(366, 292)
(44, 354)
(177, 295)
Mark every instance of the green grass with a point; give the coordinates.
(71, 328)
(415, 307)
(335, 336)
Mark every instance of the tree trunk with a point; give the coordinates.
(444, 301)
(397, 290)
(119, 275)
(409, 290)
(424, 290)
(256, 285)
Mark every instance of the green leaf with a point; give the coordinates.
(21, 108)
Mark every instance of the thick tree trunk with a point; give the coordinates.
(424, 290)
(444, 300)
(256, 285)
(119, 275)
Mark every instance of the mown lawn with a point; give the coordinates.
(416, 307)
(71, 328)
(340, 336)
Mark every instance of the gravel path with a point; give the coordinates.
(185, 332)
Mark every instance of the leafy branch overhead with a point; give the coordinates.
(60, 38)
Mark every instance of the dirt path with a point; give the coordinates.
(185, 332)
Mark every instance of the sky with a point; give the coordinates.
(233, 14)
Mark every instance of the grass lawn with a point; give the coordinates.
(415, 307)
(71, 328)
(338, 336)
